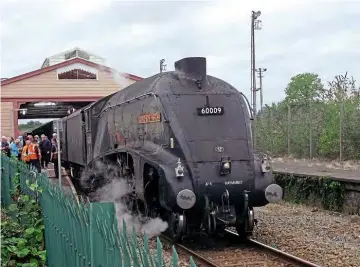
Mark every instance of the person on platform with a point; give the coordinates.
(5, 146)
(24, 139)
(36, 137)
(14, 149)
(11, 140)
(25, 152)
(45, 148)
(54, 157)
(54, 137)
(20, 146)
(35, 155)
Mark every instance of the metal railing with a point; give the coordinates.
(79, 233)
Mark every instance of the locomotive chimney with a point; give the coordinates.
(194, 67)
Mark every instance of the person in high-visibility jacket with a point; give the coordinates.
(35, 155)
(25, 152)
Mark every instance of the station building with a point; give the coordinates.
(68, 80)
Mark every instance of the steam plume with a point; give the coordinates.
(118, 77)
(114, 189)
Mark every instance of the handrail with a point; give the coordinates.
(249, 106)
(133, 99)
(125, 102)
(128, 101)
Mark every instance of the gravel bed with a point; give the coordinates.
(184, 259)
(224, 257)
(322, 237)
(243, 257)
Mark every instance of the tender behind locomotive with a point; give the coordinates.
(183, 142)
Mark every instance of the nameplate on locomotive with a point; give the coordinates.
(149, 118)
(208, 111)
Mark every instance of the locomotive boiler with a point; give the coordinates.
(182, 139)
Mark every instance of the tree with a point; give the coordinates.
(341, 127)
(307, 122)
(30, 125)
(342, 88)
(304, 88)
(301, 93)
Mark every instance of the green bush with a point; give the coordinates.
(22, 230)
(324, 192)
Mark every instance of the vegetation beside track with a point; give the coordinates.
(319, 192)
(307, 122)
(22, 230)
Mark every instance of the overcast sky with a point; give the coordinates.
(296, 36)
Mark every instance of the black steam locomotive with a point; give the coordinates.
(183, 141)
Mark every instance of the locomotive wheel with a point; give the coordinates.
(210, 224)
(177, 225)
(245, 227)
(209, 221)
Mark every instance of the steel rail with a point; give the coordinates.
(200, 260)
(283, 254)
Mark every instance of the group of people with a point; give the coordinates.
(32, 150)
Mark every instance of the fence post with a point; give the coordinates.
(100, 233)
(341, 137)
(271, 128)
(254, 133)
(289, 130)
(310, 131)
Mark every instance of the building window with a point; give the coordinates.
(70, 55)
(83, 55)
(77, 74)
(77, 53)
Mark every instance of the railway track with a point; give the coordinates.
(251, 253)
(232, 254)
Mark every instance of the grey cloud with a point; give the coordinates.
(290, 42)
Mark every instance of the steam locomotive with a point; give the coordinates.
(182, 139)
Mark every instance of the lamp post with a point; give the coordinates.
(23, 112)
(255, 25)
(58, 125)
(260, 72)
(162, 65)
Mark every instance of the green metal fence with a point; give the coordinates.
(82, 234)
(8, 170)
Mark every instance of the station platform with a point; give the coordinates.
(66, 184)
(346, 172)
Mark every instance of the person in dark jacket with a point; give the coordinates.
(24, 139)
(20, 146)
(45, 148)
(54, 157)
(5, 146)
